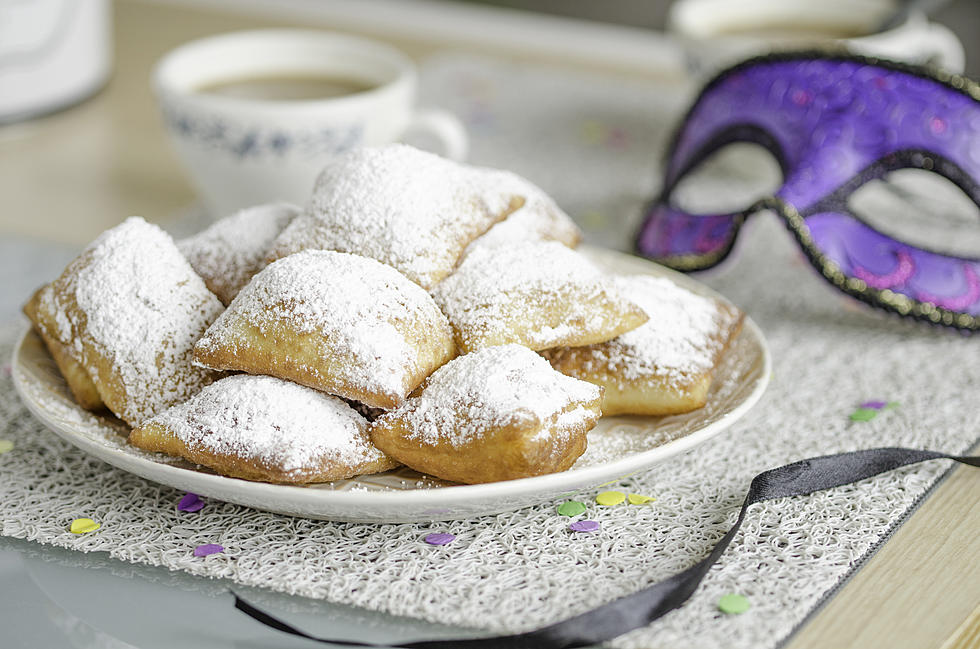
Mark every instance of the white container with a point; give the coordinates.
(53, 53)
(242, 151)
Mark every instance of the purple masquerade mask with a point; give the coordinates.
(834, 123)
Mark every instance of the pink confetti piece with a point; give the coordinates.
(584, 526)
(440, 538)
(7, 370)
(190, 503)
(208, 549)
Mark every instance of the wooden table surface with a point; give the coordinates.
(69, 176)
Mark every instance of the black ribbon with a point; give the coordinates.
(643, 607)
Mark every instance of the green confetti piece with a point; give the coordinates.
(864, 414)
(892, 404)
(571, 508)
(733, 604)
(610, 498)
(6, 446)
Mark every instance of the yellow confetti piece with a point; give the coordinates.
(593, 131)
(593, 219)
(83, 526)
(610, 498)
(6, 446)
(637, 499)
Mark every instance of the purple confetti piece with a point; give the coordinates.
(190, 503)
(208, 549)
(440, 538)
(584, 526)
(874, 405)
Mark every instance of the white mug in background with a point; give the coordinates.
(53, 54)
(246, 150)
(719, 32)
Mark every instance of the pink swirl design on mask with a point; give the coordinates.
(903, 271)
(960, 302)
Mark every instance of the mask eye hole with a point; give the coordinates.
(729, 180)
(920, 208)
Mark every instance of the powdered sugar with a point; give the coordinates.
(407, 208)
(366, 313)
(680, 340)
(276, 423)
(491, 388)
(538, 293)
(539, 219)
(136, 301)
(231, 251)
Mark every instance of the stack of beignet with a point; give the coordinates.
(395, 319)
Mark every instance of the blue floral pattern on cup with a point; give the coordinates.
(255, 142)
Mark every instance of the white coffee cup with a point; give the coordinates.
(246, 151)
(722, 31)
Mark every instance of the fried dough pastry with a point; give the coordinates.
(406, 208)
(337, 322)
(79, 382)
(538, 219)
(227, 254)
(664, 366)
(499, 413)
(539, 294)
(132, 308)
(264, 428)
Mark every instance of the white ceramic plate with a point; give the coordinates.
(618, 446)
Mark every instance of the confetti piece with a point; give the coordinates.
(6, 446)
(584, 526)
(190, 503)
(83, 526)
(571, 508)
(864, 414)
(594, 220)
(610, 498)
(592, 131)
(208, 549)
(637, 499)
(873, 405)
(439, 538)
(733, 604)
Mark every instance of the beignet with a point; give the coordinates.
(227, 254)
(499, 413)
(406, 208)
(539, 294)
(538, 219)
(664, 366)
(264, 428)
(337, 322)
(132, 308)
(79, 382)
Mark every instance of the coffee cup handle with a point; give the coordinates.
(444, 127)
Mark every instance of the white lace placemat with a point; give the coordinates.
(523, 569)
